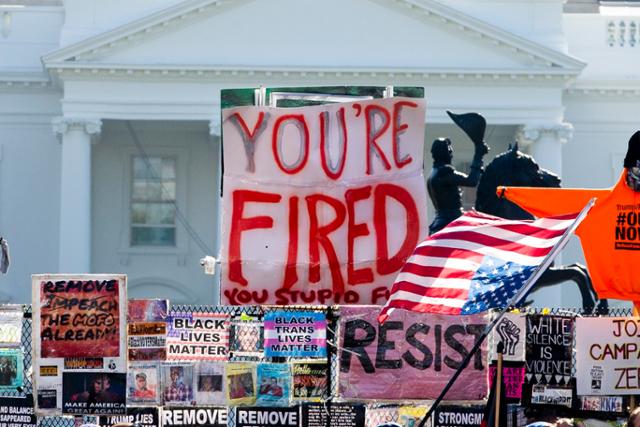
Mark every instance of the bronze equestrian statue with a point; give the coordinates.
(444, 181)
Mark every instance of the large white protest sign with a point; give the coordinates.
(321, 204)
(608, 355)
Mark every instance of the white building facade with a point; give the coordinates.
(93, 92)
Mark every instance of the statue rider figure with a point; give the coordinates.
(445, 181)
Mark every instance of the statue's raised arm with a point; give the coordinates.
(444, 181)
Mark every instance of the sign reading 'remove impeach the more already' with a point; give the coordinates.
(295, 334)
(198, 336)
(323, 204)
(410, 356)
(607, 355)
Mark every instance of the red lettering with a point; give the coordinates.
(397, 129)
(240, 224)
(373, 134)
(319, 235)
(290, 271)
(277, 140)
(362, 275)
(384, 263)
(324, 151)
(249, 137)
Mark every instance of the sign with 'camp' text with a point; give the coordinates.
(608, 355)
(322, 204)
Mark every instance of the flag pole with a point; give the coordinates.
(514, 300)
(498, 388)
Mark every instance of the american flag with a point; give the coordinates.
(476, 263)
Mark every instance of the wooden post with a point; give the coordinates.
(498, 389)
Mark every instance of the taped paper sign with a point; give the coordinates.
(549, 344)
(241, 383)
(310, 380)
(512, 378)
(210, 383)
(607, 355)
(79, 322)
(93, 393)
(511, 331)
(410, 356)
(285, 219)
(602, 403)
(295, 334)
(198, 336)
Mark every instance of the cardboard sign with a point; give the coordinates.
(458, 416)
(410, 356)
(198, 336)
(285, 219)
(143, 416)
(192, 417)
(267, 417)
(512, 378)
(550, 395)
(549, 345)
(295, 334)
(79, 324)
(93, 393)
(17, 412)
(511, 331)
(607, 352)
(333, 415)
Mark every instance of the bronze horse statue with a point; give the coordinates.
(516, 169)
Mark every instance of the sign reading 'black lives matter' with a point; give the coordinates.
(549, 341)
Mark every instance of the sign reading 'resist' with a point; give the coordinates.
(331, 196)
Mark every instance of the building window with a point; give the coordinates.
(153, 198)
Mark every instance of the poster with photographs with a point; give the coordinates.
(79, 325)
(143, 383)
(147, 329)
(240, 383)
(93, 393)
(274, 382)
(210, 383)
(511, 332)
(177, 383)
(11, 369)
(309, 379)
(549, 346)
(198, 336)
(247, 337)
(11, 325)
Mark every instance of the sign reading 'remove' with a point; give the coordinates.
(323, 204)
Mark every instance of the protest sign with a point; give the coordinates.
(511, 331)
(11, 325)
(295, 334)
(602, 403)
(93, 393)
(241, 383)
(333, 415)
(146, 416)
(551, 395)
(11, 369)
(309, 380)
(458, 416)
(284, 218)
(143, 383)
(274, 384)
(607, 355)
(247, 337)
(198, 336)
(549, 344)
(147, 329)
(79, 324)
(194, 417)
(177, 383)
(17, 412)
(512, 378)
(411, 356)
(210, 383)
(267, 417)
